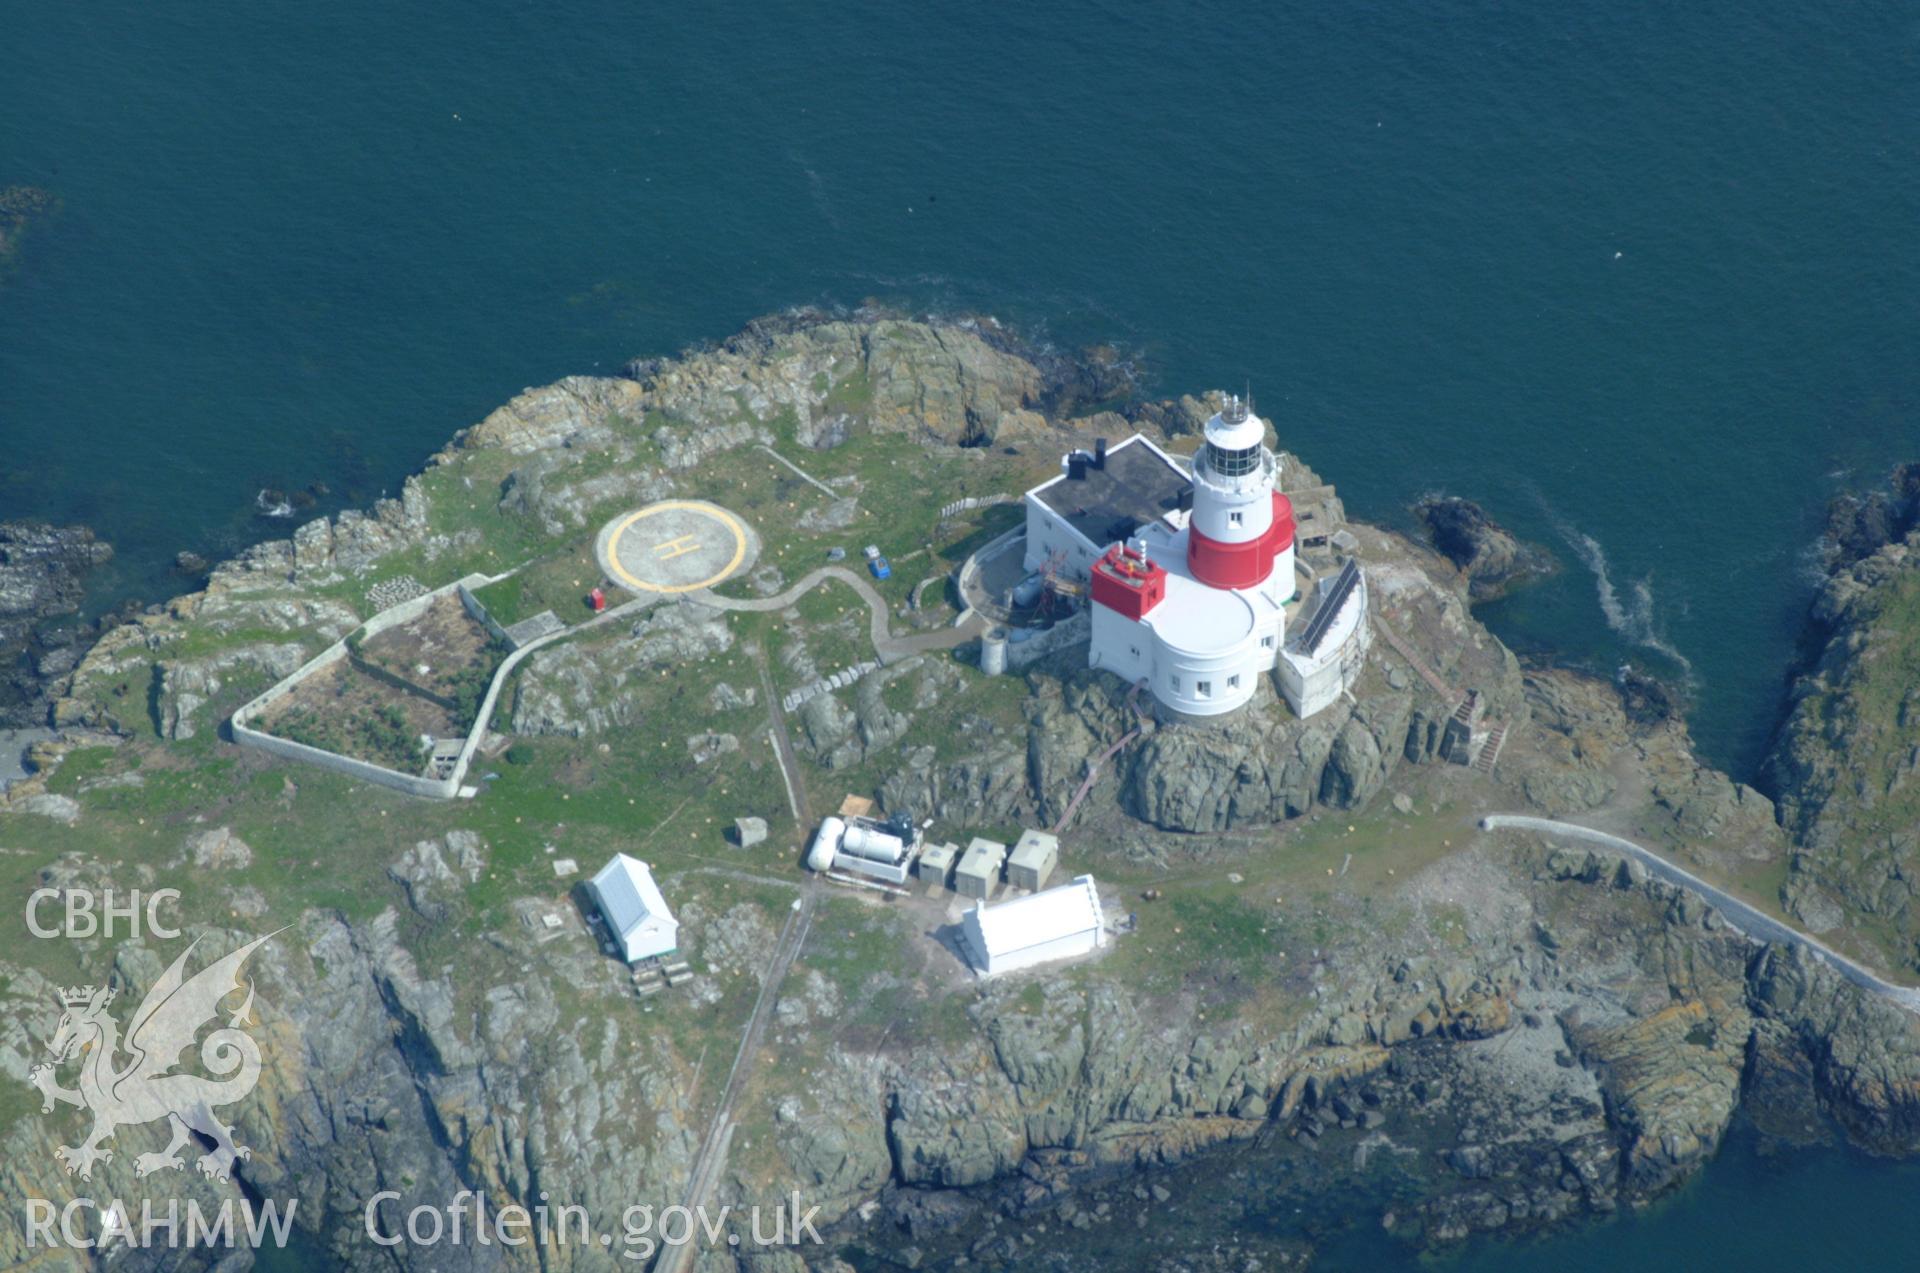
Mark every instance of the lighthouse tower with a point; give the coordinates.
(1241, 532)
(1190, 569)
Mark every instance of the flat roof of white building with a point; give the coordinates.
(1035, 920)
(1139, 485)
(1034, 848)
(1196, 618)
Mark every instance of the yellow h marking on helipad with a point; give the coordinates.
(677, 547)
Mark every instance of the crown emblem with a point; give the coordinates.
(80, 996)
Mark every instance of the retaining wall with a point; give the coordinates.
(972, 502)
(481, 615)
(366, 771)
(1061, 635)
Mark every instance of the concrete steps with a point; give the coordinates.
(1490, 751)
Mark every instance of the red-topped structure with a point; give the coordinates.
(1190, 570)
(1125, 582)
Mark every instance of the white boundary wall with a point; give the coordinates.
(366, 771)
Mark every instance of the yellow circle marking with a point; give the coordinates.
(717, 514)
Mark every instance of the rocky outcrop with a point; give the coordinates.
(1845, 767)
(43, 572)
(1261, 766)
(1861, 524)
(839, 736)
(1535, 1034)
(434, 872)
(1488, 557)
(579, 688)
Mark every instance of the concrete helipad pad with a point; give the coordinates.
(676, 546)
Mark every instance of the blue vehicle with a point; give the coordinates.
(877, 564)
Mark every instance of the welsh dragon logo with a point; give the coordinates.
(144, 1089)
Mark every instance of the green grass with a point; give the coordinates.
(558, 582)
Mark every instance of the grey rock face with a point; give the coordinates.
(580, 688)
(1845, 767)
(1254, 767)
(42, 573)
(219, 849)
(1486, 554)
(840, 737)
(187, 685)
(434, 871)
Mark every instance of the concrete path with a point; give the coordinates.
(777, 733)
(803, 474)
(888, 647)
(1753, 922)
(710, 1160)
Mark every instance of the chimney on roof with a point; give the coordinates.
(1099, 453)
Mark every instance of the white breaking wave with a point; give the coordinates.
(271, 503)
(1631, 618)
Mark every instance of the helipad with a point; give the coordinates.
(675, 546)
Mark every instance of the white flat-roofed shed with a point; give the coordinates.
(979, 868)
(1060, 923)
(635, 911)
(936, 862)
(1033, 860)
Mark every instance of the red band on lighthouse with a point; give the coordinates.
(1224, 565)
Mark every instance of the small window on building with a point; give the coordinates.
(1266, 642)
(1203, 689)
(1134, 650)
(1236, 519)
(1174, 683)
(1233, 682)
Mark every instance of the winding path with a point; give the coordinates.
(1748, 919)
(886, 646)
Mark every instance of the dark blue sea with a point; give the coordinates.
(1642, 278)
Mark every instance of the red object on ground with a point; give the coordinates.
(1223, 565)
(1126, 582)
(597, 599)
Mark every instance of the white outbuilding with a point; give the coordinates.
(1057, 924)
(636, 914)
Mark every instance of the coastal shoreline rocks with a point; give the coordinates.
(43, 572)
(1491, 560)
(1512, 1035)
(1845, 765)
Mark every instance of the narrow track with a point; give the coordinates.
(1748, 919)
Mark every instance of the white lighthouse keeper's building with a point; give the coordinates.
(1191, 569)
(1196, 610)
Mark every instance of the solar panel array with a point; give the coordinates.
(1329, 610)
